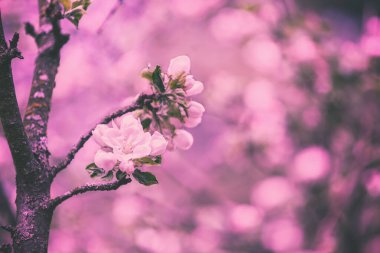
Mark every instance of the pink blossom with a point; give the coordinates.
(125, 141)
(98, 133)
(178, 66)
(183, 139)
(193, 87)
(195, 113)
(158, 144)
(105, 160)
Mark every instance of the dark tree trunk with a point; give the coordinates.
(33, 218)
(27, 140)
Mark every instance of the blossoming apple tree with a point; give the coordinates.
(129, 139)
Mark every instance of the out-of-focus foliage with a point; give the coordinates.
(280, 161)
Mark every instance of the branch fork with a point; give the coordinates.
(12, 51)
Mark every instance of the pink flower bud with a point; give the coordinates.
(158, 144)
(195, 112)
(183, 139)
(179, 65)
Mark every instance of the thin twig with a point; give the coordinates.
(110, 14)
(88, 188)
(71, 155)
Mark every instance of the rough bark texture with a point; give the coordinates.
(9, 111)
(28, 145)
(28, 139)
(32, 186)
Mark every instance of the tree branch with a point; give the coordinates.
(5, 208)
(118, 4)
(88, 188)
(8, 228)
(139, 104)
(9, 111)
(46, 67)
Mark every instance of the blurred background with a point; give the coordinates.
(286, 158)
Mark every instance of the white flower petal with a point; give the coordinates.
(179, 65)
(128, 120)
(195, 89)
(183, 139)
(127, 166)
(105, 160)
(112, 137)
(142, 139)
(98, 133)
(141, 151)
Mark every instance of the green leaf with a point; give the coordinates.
(74, 17)
(94, 170)
(175, 112)
(146, 123)
(158, 159)
(150, 160)
(145, 178)
(108, 176)
(157, 80)
(66, 4)
(147, 75)
(120, 174)
(84, 3)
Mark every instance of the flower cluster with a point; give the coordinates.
(141, 137)
(181, 111)
(125, 142)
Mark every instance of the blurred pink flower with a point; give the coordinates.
(260, 95)
(272, 192)
(156, 241)
(372, 25)
(194, 8)
(282, 235)
(372, 183)
(232, 24)
(245, 217)
(263, 55)
(311, 163)
(352, 58)
(302, 48)
(370, 44)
